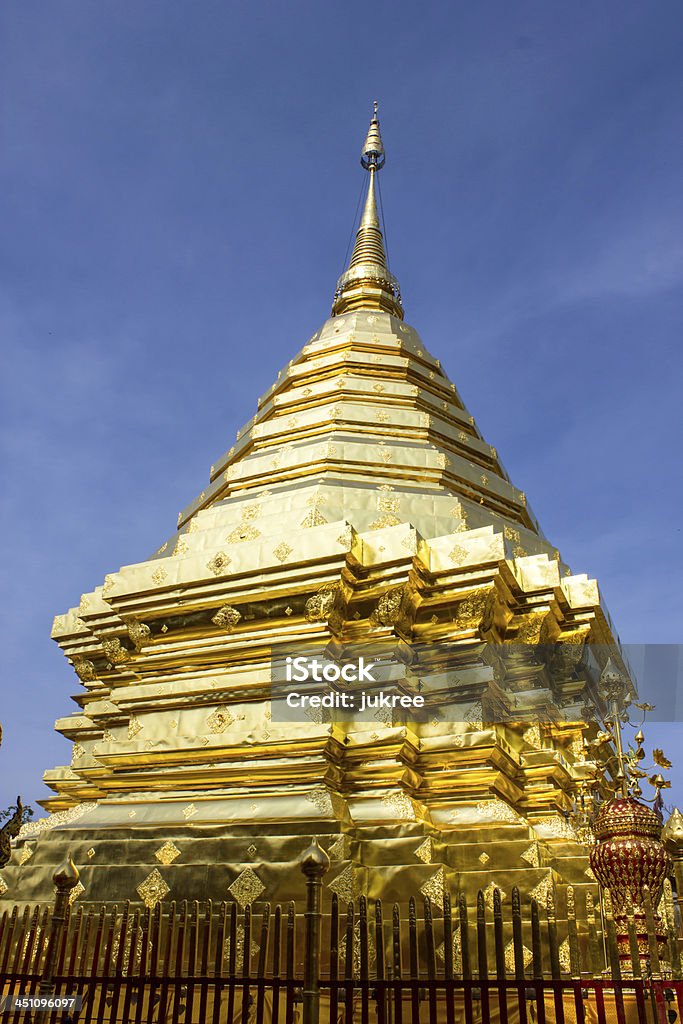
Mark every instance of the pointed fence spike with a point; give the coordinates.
(573, 935)
(464, 937)
(536, 951)
(499, 943)
(517, 943)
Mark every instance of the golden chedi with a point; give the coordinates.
(359, 506)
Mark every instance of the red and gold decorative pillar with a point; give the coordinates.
(629, 858)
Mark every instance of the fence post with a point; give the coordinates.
(65, 878)
(314, 864)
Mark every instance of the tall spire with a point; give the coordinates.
(367, 283)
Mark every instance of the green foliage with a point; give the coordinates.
(9, 811)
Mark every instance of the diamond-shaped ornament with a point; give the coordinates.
(239, 953)
(337, 851)
(282, 552)
(246, 888)
(527, 957)
(219, 563)
(76, 892)
(220, 719)
(543, 890)
(134, 727)
(434, 888)
(488, 894)
(425, 851)
(345, 885)
(531, 855)
(457, 952)
(153, 889)
(26, 854)
(167, 853)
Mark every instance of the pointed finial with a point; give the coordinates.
(673, 833)
(611, 677)
(372, 155)
(614, 689)
(367, 283)
(66, 875)
(314, 860)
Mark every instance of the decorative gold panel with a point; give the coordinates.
(434, 888)
(167, 853)
(227, 618)
(425, 851)
(282, 552)
(489, 891)
(219, 564)
(153, 889)
(247, 887)
(220, 720)
(337, 851)
(76, 892)
(527, 957)
(345, 885)
(401, 805)
(531, 855)
(543, 890)
(26, 854)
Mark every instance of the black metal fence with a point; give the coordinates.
(357, 962)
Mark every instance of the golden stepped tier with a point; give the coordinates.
(145, 862)
(363, 394)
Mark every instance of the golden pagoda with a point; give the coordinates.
(359, 508)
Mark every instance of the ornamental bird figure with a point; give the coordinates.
(8, 831)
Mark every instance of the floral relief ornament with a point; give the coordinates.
(219, 564)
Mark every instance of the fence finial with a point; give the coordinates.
(314, 860)
(65, 878)
(314, 864)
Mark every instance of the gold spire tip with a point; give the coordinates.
(372, 155)
(367, 282)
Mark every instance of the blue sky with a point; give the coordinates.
(177, 183)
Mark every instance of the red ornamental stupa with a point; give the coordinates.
(629, 859)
